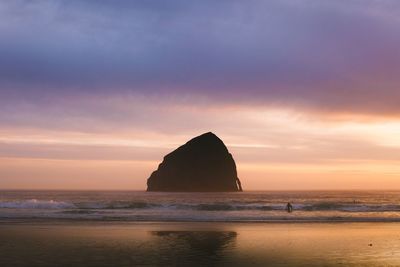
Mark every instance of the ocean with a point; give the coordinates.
(140, 206)
(136, 228)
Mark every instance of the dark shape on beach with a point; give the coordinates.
(289, 207)
(206, 241)
(201, 165)
(194, 248)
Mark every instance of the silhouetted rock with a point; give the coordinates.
(201, 165)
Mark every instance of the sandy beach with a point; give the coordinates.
(63, 243)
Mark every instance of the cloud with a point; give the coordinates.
(334, 56)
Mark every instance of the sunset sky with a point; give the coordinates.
(304, 93)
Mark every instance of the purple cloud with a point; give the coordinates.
(339, 56)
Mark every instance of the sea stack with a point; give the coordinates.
(203, 164)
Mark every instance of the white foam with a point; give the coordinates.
(36, 204)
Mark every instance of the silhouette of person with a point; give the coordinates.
(289, 207)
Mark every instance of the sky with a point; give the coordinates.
(304, 93)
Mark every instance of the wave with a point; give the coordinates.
(228, 207)
(350, 207)
(216, 206)
(36, 204)
(119, 205)
(223, 206)
(320, 206)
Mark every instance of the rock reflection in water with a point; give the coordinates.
(200, 248)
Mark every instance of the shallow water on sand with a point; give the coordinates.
(199, 244)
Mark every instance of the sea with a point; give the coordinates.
(252, 206)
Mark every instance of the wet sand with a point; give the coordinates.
(198, 244)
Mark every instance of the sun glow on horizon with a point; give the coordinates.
(273, 149)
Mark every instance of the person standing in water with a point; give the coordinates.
(289, 207)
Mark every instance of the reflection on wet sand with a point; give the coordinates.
(195, 247)
(91, 244)
(199, 244)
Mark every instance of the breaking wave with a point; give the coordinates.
(249, 207)
(36, 204)
(217, 206)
